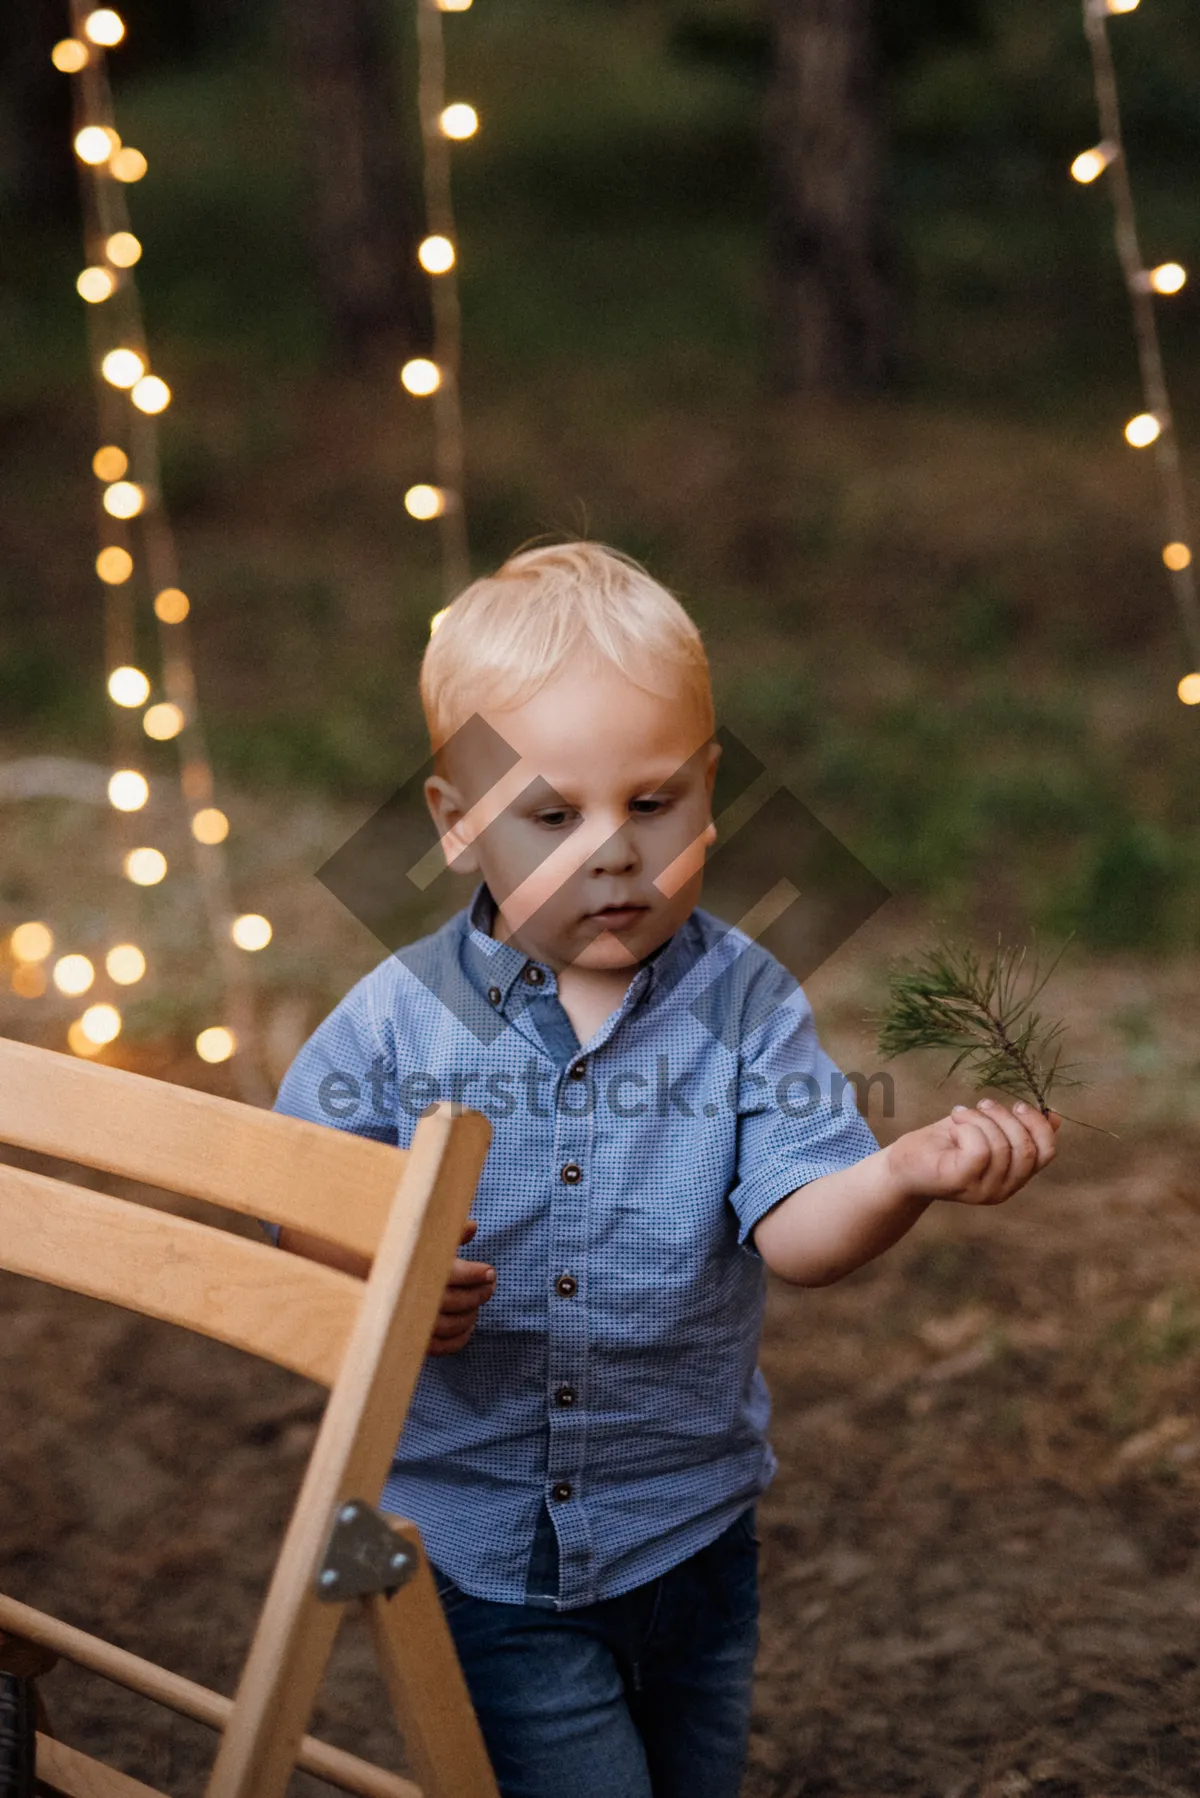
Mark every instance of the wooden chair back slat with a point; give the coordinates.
(294, 1312)
(260, 1164)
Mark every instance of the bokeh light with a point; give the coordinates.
(151, 394)
(424, 501)
(123, 249)
(114, 565)
(109, 463)
(251, 931)
(1142, 430)
(210, 825)
(28, 980)
(171, 606)
(436, 255)
(73, 974)
(162, 722)
(1177, 557)
(128, 790)
(95, 144)
(1189, 689)
(124, 499)
(128, 164)
(128, 686)
(421, 376)
(121, 368)
(101, 1024)
(69, 56)
(78, 1043)
(145, 867)
(31, 942)
(104, 27)
(1168, 277)
(1091, 163)
(216, 1043)
(459, 121)
(125, 964)
(95, 285)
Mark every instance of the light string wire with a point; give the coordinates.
(438, 256)
(127, 410)
(1157, 424)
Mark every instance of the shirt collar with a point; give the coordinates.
(496, 967)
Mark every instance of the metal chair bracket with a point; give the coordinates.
(363, 1556)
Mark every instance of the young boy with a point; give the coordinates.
(587, 1439)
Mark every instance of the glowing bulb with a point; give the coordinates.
(421, 377)
(1121, 5)
(454, 5)
(124, 499)
(95, 144)
(125, 964)
(145, 867)
(101, 1024)
(69, 56)
(171, 606)
(73, 974)
(128, 686)
(437, 619)
(162, 722)
(423, 501)
(31, 942)
(150, 394)
(123, 249)
(1168, 277)
(1091, 163)
(1189, 689)
(78, 1043)
(28, 980)
(1142, 430)
(128, 164)
(104, 27)
(1177, 557)
(459, 121)
(114, 565)
(122, 368)
(95, 285)
(216, 1043)
(210, 825)
(251, 931)
(436, 255)
(109, 463)
(128, 790)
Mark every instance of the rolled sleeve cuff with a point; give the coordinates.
(752, 1201)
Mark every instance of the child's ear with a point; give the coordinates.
(710, 779)
(449, 815)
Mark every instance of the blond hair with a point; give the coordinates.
(510, 632)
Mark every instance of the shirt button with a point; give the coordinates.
(562, 1490)
(572, 1174)
(577, 1070)
(494, 995)
(566, 1286)
(533, 975)
(565, 1395)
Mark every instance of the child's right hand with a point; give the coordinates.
(471, 1284)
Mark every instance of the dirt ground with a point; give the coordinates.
(981, 1554)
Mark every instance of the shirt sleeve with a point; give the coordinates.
(798, 1118)
(344, 1074)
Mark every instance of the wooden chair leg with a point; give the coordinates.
(442, 1740)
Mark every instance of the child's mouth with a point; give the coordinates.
(619, 917)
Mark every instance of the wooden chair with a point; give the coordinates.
(364, 1340)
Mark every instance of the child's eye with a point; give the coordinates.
(647, 807)
(553, 819)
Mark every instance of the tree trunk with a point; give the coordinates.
(832, 307)
(365, 210)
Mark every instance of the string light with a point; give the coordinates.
(171, 606)
(1189, 689)
(128, 164)
(145, 867)
(69, 56)
(31, 942)
(459, 121)
(109, 463)
(421, 377)
(95, 285)
(128, 686)
(104, 27)
(101, 1024)
(78, 1043)
(122, 368)
(28, 980)
(164, 721)
(95, 144)
(1143, 430)
(216, 1043)
(1090, 164)
(1155, 425)
(125, 964)
(454, 5)
(436, 255)
(73, 974)
(251, 931)
(424, 501)
(123, 249)
(124, 499)
(210, 825)
(128, 790)
(114, 565)
(151, 394)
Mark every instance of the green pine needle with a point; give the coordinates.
(982, 1010)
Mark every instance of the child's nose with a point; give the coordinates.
(617, 854)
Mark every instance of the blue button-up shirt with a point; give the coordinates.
(610, 1388)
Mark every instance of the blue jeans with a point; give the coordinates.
(642, 1696)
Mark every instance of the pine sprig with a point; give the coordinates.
(983, 1010)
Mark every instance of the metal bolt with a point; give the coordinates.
(399, 1560)
(348, 1513)
(329, 1577)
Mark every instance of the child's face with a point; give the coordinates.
(593, 845)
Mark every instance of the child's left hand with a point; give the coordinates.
(975, 1156)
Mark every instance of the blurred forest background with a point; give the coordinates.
(932, 593)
